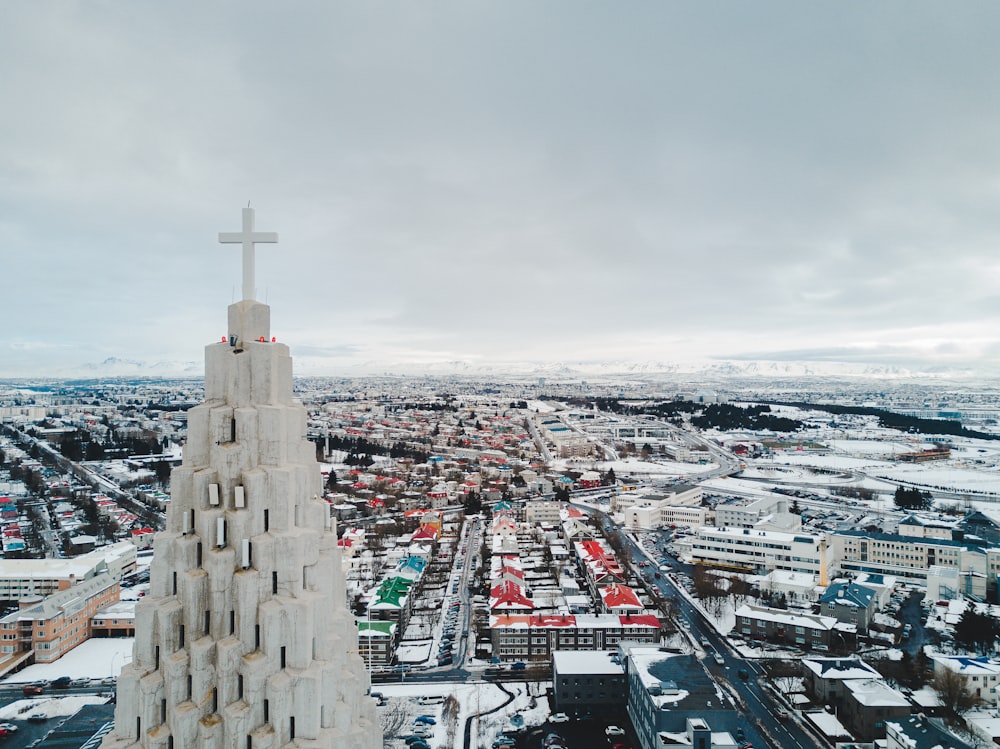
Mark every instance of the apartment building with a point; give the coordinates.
(51, 627)
(911, 557)
(522, 637)
(783, 625)
(585, 681)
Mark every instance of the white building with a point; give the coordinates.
(760, 551)
(981, 675)
(766, 513)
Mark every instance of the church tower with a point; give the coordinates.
(245, 640)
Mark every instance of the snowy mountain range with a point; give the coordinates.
(554, 370)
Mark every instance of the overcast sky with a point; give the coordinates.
(504, 181)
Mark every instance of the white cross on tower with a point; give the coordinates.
(248, 238)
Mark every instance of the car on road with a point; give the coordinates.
(558, 718)
(63, 682)
(38, 717)
(613, 731)
(32, 689)
(719, 659)
(8, 727)
(743, 674)
(519, 666)
(425, 719)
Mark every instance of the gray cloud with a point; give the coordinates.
(500, 181)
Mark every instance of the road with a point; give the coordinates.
(757, 705)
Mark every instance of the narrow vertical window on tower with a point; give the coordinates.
(180, 636)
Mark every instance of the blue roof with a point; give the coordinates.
(852, 593)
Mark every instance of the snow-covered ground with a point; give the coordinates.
(480, 698)
(94, 659)
(53, 707)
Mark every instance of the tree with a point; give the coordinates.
(913, 499)
(609, 478)
(977, 630)
(162, 470)
(95, 451)
(473, 503)
(795, 509)
(331, 481)
(953, 691)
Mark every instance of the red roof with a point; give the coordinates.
(616, 596)
(639, 620)
(509, 594)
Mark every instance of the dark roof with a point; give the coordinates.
(926, 734)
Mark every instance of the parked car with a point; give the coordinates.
(558, 718)
(38, 717)
(63, 682)
(519, 666)
(425, 719)
(613, 731)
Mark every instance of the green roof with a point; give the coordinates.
(392, 591)
(373, 629)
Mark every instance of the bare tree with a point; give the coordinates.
(449, 716)
(786, 676)
(954, 691)
(392, 719)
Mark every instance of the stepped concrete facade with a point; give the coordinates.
(245, 640)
